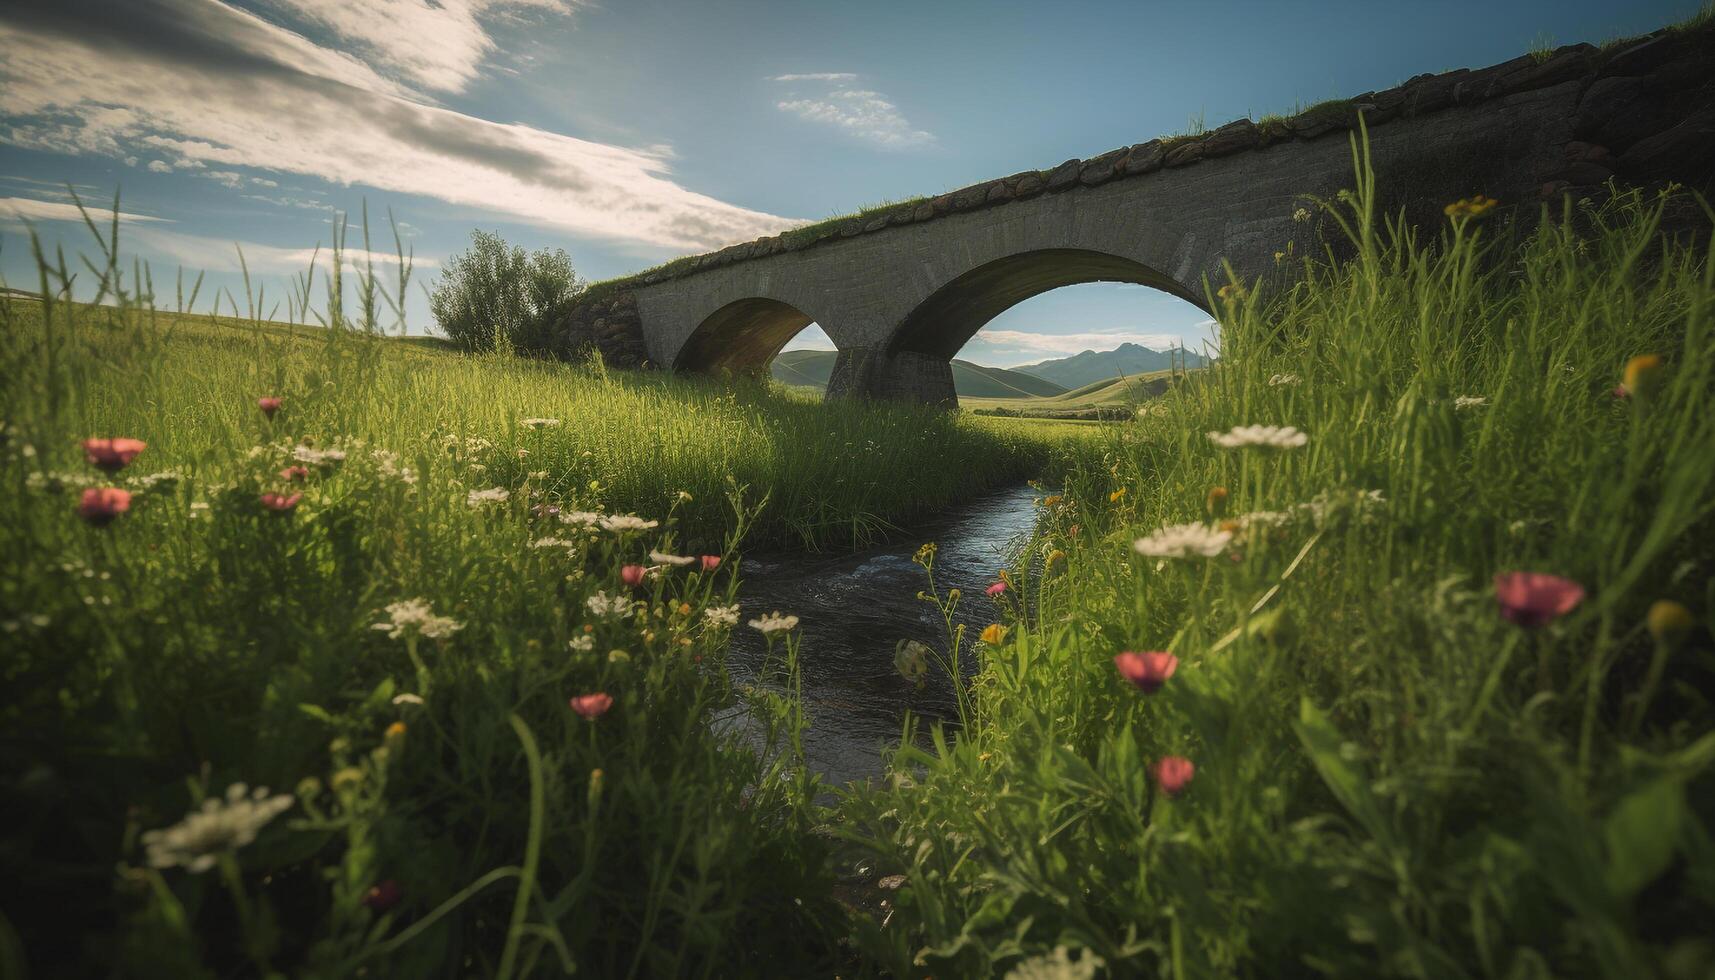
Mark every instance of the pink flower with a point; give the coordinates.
(592, 706)
(1533, 599)
(100, 505)
(995, 589)
(1146, 671)
(112, 455)
(268, 406)
(1174, 773)
(1620, 391)
(279, 503)
(295, 474)
(711, 562)
(632, 575)
(383, 895)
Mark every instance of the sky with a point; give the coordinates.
(628, 132)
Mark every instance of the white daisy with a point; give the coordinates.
(413, 617)
(774, 622)
(721, 615)
(582, 644)
(602, 604)
(1260, 436)
(218, 827)
(1183, 541)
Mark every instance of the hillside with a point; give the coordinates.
(1107, 398)
(812, 368)
(1126, 359)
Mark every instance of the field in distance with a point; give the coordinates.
(812, 368)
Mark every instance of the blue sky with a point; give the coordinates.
(632, 131)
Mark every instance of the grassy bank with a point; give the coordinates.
(1353, 751)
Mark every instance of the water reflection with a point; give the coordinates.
(854, 608)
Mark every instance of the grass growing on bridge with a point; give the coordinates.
(1349, 749)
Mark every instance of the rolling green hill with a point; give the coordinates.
(1098, 398)
(1126, 359)
(812, 368)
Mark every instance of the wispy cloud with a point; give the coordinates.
(221, 255)
(208, 84)
(863, 113)
(30, 209)
(1027, 342)
(438, 44)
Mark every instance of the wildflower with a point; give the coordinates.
(1114, 498)
(318, 457)
(1533, 599)
(632, 575)
(280, 503)
(774, 622)
(1058, 965)
(1052, 500)
(994, 634)
(911, 659)
(198, 508)
(416, 699)
(1668, 621)
(711, 562)
(621, 523)
(719, 616)
(1183, 541)
(995, 589)
(1174, 773)
(1216, 502)
(219, 826)
(165, 480)
(383, 895)
(100, 505)
(602, 604)
(414, 617)
(581, 644)
(1260, 518)
(493, 495)
(539, 423)
(1282, 380)
(1642, 376)
(663, 558)
(394, 736)
(581, 518)
(1146, 671)
(1053, 556)
(349, 778)
(683, 497)
(1619, 391)
(1301, 214)
(552, 543)
(1473, 207)
(1231, 292)
(1260, 436)
(592, 706)
(295, 474)
(1470, 401)
(268, 406)
(112, 455)
(925, 553)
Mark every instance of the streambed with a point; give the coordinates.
(853, 608)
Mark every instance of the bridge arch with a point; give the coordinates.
(741, 337)
(951, 315)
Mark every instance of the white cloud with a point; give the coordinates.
(160, 167)
(29, 209)
(1024, 341)
(439, 44)
(220, 255)
(208, 84)
(863, 113)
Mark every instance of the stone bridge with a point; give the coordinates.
(899, 290)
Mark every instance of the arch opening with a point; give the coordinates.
(942, 324)
(741, 337)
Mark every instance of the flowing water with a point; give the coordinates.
(854, 608)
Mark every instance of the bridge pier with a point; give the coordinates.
(906, 376)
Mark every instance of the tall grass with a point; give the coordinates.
(1391, 778)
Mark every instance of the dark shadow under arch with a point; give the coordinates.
(944, 322)
(741, 337)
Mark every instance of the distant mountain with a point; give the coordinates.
(1126, 359)
(812, 368)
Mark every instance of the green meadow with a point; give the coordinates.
(1381, 647)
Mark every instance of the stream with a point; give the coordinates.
(853, 608)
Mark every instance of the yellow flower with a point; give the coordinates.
(1054, 556)
(994, 634)
(1279, 256)
(348, 778)
(1052, 500)
(1668, 621)
(1216, 502)
(1470, 207)
(1114, 498)
(1231, 291)
(1643, 374)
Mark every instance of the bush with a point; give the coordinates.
(496, 297)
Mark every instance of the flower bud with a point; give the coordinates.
(1668, 621)
(1216, 502)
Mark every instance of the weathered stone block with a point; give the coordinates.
(1065, 175)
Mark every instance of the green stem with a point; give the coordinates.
(532, 849)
